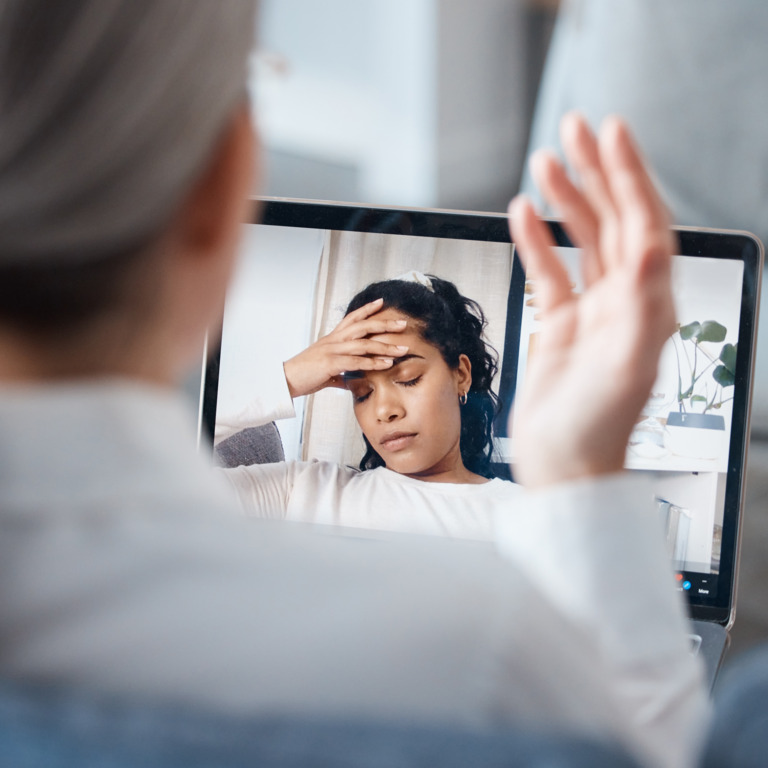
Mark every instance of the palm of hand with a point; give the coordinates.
(594, 363)
(598, 351)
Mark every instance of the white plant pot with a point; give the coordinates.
(696, 435)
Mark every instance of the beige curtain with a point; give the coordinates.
(351, 261)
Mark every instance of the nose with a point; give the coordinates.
(388, 405)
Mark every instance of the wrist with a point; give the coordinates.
(549, 468)
(289, 373)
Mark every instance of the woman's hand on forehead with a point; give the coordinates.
(598, 351)
(360, 342)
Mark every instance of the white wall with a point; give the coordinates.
(268, 318)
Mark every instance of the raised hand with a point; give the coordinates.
(598, 352)
(348, 347)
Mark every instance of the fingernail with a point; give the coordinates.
(400, 323)
(401, 349)
(386, 360)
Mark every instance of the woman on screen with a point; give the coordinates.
(412, 354)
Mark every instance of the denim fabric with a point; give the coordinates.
(44, 728)
(739, 734)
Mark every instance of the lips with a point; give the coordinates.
(397, 441)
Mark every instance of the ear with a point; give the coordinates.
(464, 374)
(210, 219)
(202, 241)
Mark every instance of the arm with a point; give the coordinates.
(256, 411)
(600, 560)
(264, 490)
(593, 554)
(347, 348)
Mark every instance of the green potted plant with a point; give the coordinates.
(704, 377)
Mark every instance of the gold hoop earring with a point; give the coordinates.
(463, 398)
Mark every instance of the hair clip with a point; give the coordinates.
(416, 277)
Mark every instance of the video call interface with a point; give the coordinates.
(293, 286)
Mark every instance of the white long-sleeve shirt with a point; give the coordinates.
(380, 499)
(126, 568)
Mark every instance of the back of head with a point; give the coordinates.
(108, 112)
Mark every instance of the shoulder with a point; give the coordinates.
(507, 487)
(323, 473)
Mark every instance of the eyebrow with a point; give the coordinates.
(354, 375)
(404, 358)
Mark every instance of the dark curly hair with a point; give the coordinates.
(455, 325)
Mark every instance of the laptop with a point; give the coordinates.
(304, 260)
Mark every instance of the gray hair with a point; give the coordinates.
(108, 111)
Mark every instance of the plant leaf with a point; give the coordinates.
(711, 330)
(690, 331)
(728, 357)
(723, 376)
(698, 399)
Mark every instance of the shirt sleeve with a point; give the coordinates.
(263, 490)
(233, 416)
(595, 552)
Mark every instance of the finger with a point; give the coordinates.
(581, 150)
(373, 326)
(387, 338)
(579, 220)
(358, 365)
(535, 247)
(367, 347)
(623, 162)
(371, 308)
(646, 232)
(354, 364)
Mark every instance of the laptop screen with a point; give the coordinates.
(305, 261)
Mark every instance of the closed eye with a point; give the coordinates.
(361, 398)
(410, 382)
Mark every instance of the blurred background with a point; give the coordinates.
(437, 103)
(406, 102)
